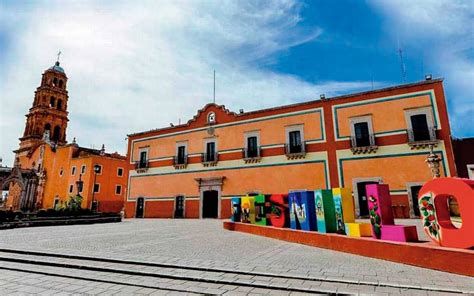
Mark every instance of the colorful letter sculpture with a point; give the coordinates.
(279, 216)
(236, 209)
(345, 214)
(262, 210)
(325, 212)
(433, 202)
(302, 213)
(381, 216)
(248, 210)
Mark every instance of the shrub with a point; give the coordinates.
(17, 215)
(3, 216)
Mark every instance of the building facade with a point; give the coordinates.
(382, 136)
(464, 156)
(60, 169)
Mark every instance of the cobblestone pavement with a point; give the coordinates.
(204, 243)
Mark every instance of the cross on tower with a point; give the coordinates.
(59, 53)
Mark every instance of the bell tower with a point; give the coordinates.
(47, 118)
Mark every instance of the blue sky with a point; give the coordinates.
(139, 65)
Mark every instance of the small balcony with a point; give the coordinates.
(141, 166)
(252, 155)
(423, 138)
(295, 151)
(209, 159)
(363, 145)
(180, 161)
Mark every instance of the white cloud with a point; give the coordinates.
(444, 31)
(134, 66)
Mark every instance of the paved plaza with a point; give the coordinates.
(260, 263)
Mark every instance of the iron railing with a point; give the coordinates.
(180, 160)
(143, 164)
(252, 153)
(421, 135)
(299, 148)
(209, 157)
(364, 142)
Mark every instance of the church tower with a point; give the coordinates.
(47, 118)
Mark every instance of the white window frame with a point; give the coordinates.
(83, 169)
(179, 144)
(144, 149)
(118, 186)
(355, 193)
(410, 198)
(184, 205)
(251, 134)
(470, 171)
(120, 168)
(98, 189)
(292, 128)
(359, 119)
(73, 170)
(417, 111)
(210, 140)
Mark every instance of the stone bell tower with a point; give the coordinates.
(47, 118)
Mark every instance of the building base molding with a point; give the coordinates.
(459, 260)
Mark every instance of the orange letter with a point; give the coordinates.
(433, 201)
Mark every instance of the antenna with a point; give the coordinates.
(214, 100)
(402, 63)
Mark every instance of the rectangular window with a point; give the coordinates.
(252, 147)
(56, 202)
(419, 124)
(181, 154)
(71, 188)
(73, 171)
(362, 135)
(210, 151)
(295, 142)
(118, 189)
(96, 188)
(143, 159)
(83, 169)
(120, 172)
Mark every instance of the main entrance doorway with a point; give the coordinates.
(140, 207)
(179, 207)
(362, 198)
(210, 204)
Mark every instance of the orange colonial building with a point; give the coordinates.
(381, 136)
(61, 169)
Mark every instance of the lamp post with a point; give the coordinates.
(96, 170)
(79, 184)
(433, 161)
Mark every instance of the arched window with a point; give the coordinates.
(55, 81)
(59, 105)
(47, 127)
(52, 102)
(60, 84)
(56, 133)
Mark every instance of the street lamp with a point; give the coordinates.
(96, 171)
(79, 184)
